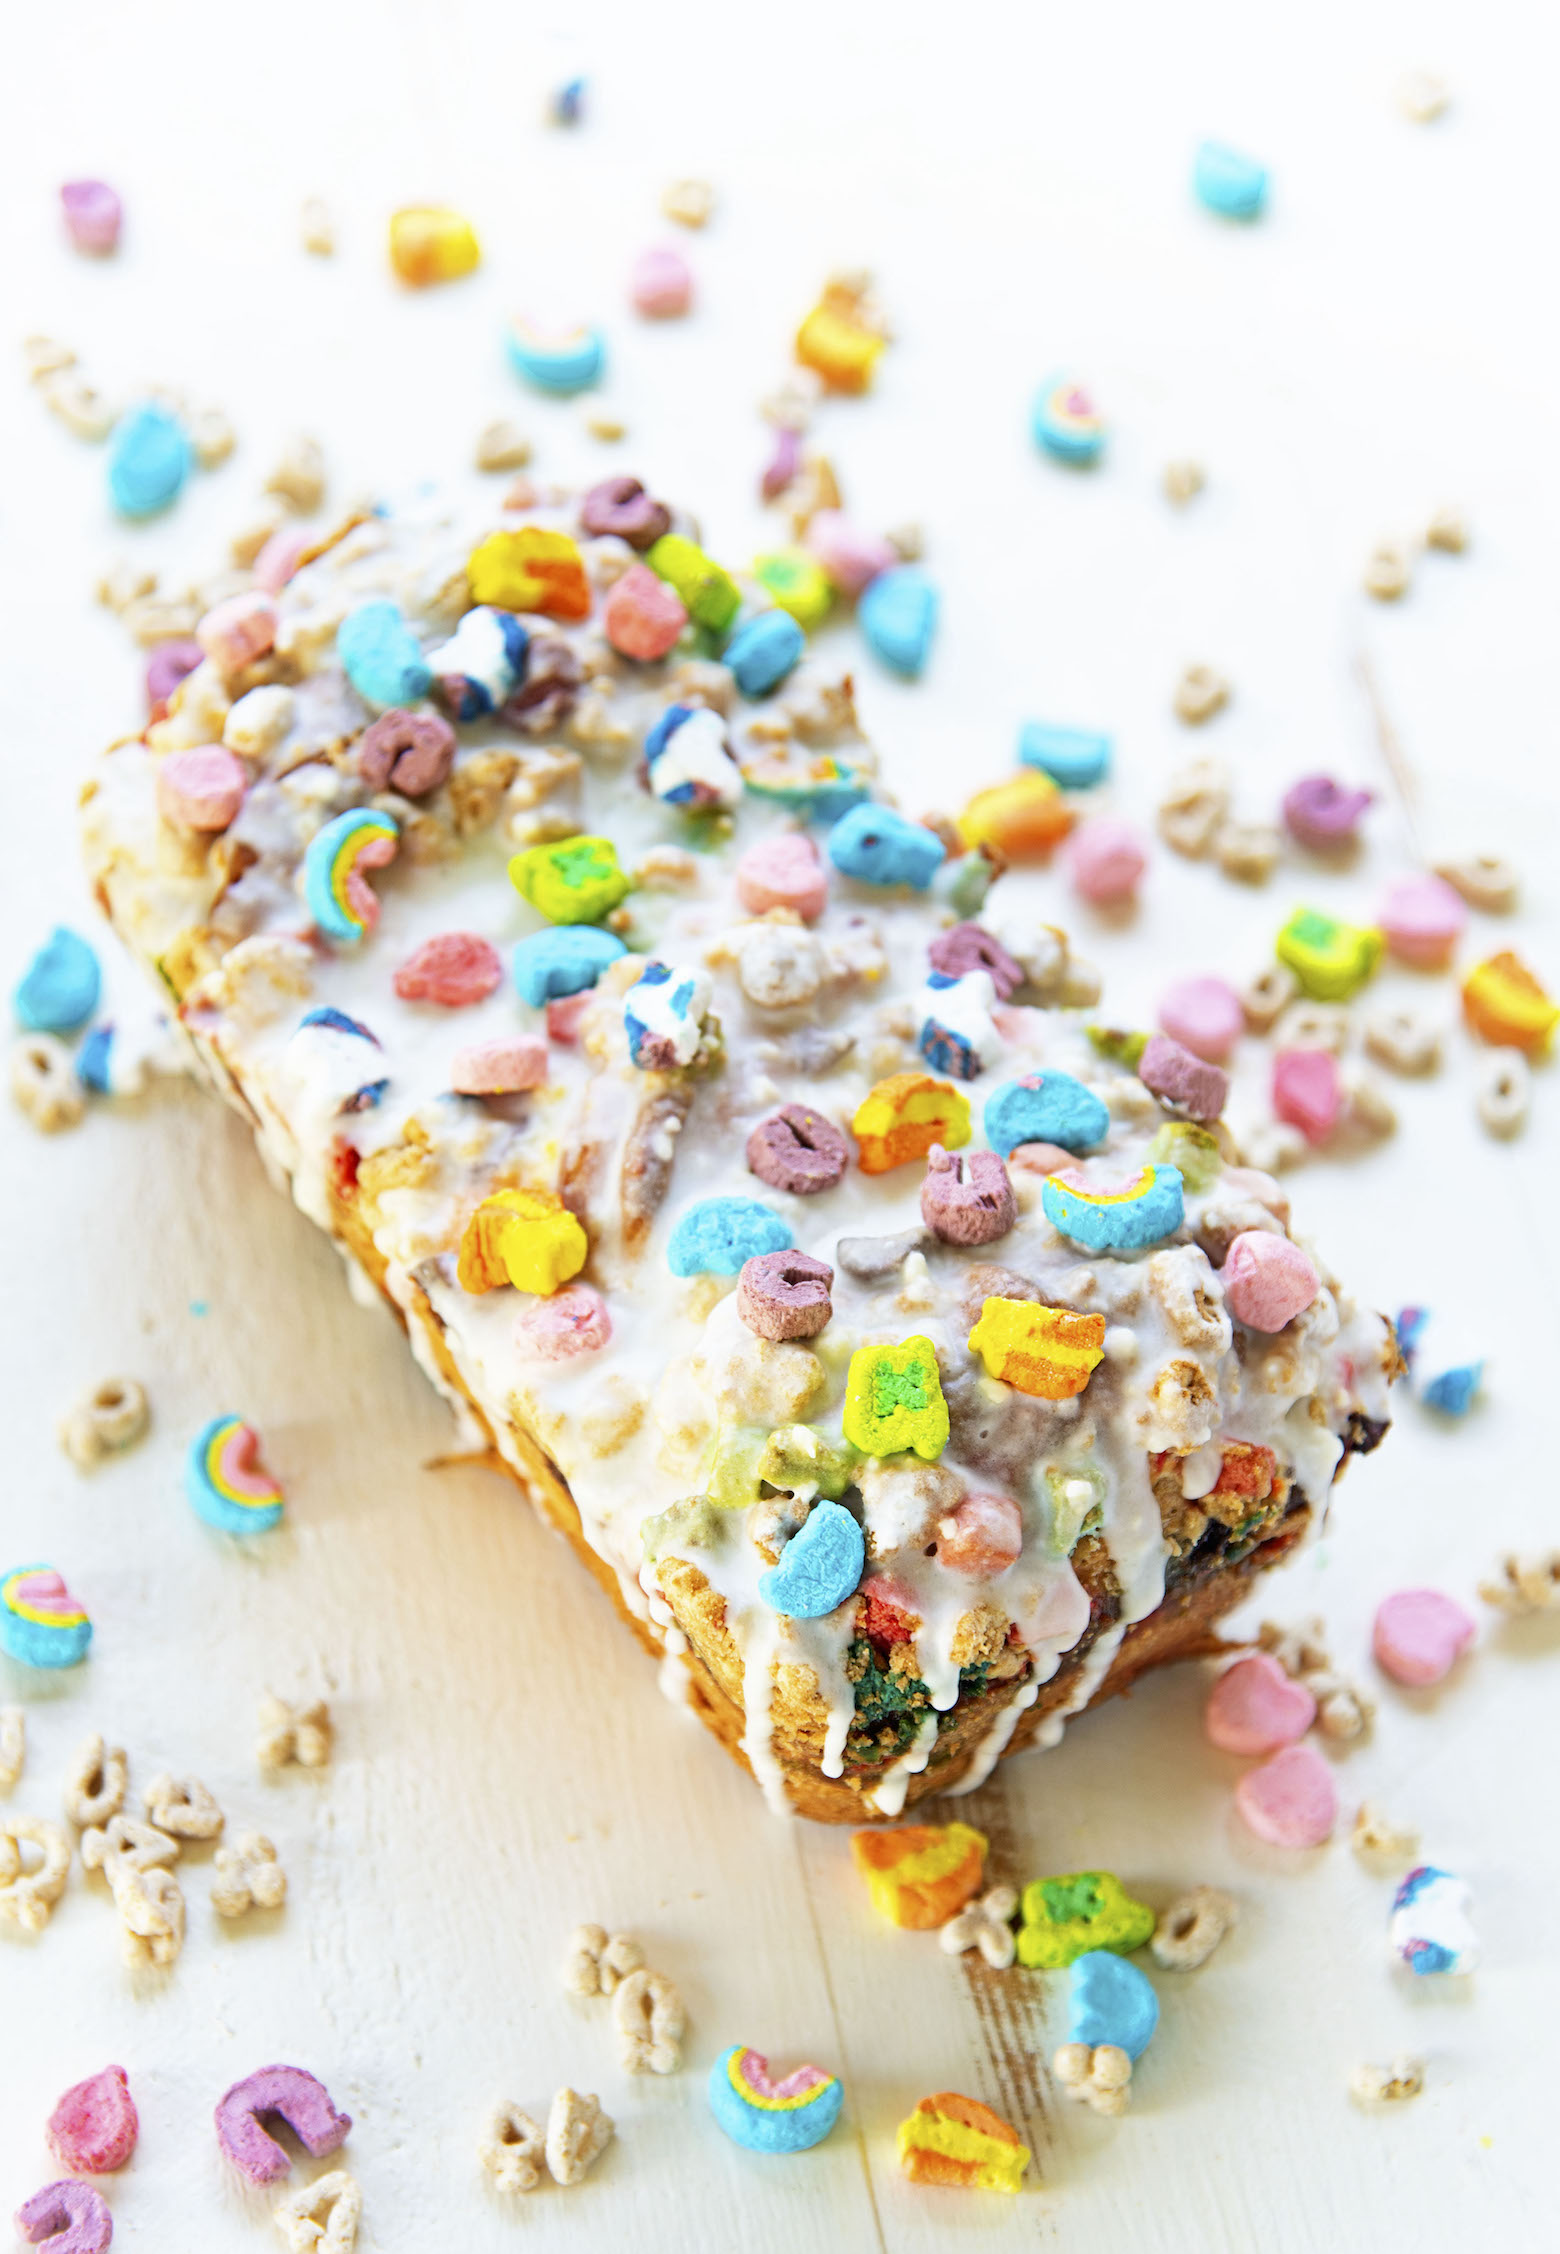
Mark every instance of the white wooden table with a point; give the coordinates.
(1379, 345)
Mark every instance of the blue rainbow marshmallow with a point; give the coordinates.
(764, 2114)
(337, 892)
(763, 651)
(41, 1623)
(1430, 1927)
(381, 656)
(820, 787)
(1066, 424)
(897, 615)
(1074, 758)
(1110, 2001)
(879, 845)
(565, 960)
(1233, 185)
(482, 664)
(149, 459)
(716, 1236)
(1144, 1212)
(60, 987)
(225, 1481)
(1044, 1107)
(560, 361)
(819, 1566)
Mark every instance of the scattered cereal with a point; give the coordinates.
(1384, 2085)
(71, 2217)
(316, 230)
(1022, 820)
(557, 360)
(1419, 1635)
(429, 244)
(597, 1962)
(248, 1877)
(1448, 531)
(1199, 694)
(94, 2127)
(648, 2016)
(766, 2115)
(1106, 860)
(13, 1745)
(1226, 182)
(94, 216)
(1430, 1928)
(1083, 1911)
(1247, 851)
(59, 989)
(1401, 1039)
(1110, 2002)
(1422, 918)
(1375, 1838)
(182, 1807)
(1100, 2078)
(578, 2132)
(299, 2099)
(1255, 1708)
(1322, 814)
(1308, 1091)
(28, 1896)
(921, 1875)
(897, 615)
(1192, 1928)
(1422, 96)
(689, 202)
(1485, 881)
(660, 283)
(293, 1733)
(322, 2217)
(1066, 423)
(511, 2147)
(1204, 1015)
(225, 1481)
(148, 461)
(41, 1623)
(95, 1783)
(1183, 481)
(1504, 1086)
(1526, 1585)
(1505, 1004)
(1291, 1800)
(950, 2139)
(1388, 571)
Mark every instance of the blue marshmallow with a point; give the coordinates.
(819, 1566)
(60, 987)
(148, 461)
(1044, 1107)
(1233, 185)
(483, 662)
(381, 655)
(1074, 758)
(881, 846)
(716, 1236)
(564, 960)
(763, 651)
(1110, 2001)
(898, 616)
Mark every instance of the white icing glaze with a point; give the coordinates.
(683, 1388)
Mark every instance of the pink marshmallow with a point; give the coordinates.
(201, 789)
(643, 616)
(1106, 860)
(280, 557)
(1267, 1280)
(1419, 1636)
(1291, 1801)
(1039, 1158)
(94, 215)
(564, 1014)
(852, 558)
(783, 871)
(1423, 919)
(1308, 1091)
(238, 631)
(1323, 814)
(1254, 1707)
(1204, 1015)
(660, 284)
(93, 2129)
(573, 1321)
(981, 1536)
(500, 1068)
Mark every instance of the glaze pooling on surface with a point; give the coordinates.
(685, 1411)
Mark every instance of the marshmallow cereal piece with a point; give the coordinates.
(1255, 1708)
(1430, 1927)
(299, 2098)
(1267, 1280)
(71, 2217)
(768, 2115)
(225, 1481)
(335, 887)
(1419, 1635)
(1291, 1800)
(1083, 1910)
(920, 1875)
(41, 1623)
(1047, 1352)
(950, 2139)
(94, 2126)
(527, 1238)
(201, 790)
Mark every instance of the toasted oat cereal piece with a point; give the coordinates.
(502, 445)
(1199, 694)
(112, 1417)
(1384, 2085)
(1505, 1091)
(302, 1734)
(335, 2198)
(212, 436)
(1192, 1928)
(1247, 851)
(1183, 481)
(1097, 2075)
(95, 1783)
(80, 406)
(1375, 1838)
(1525, 1585)
(249, 1877)
(512, 2147)
(124, 1840)
(151, 1914)
(986, 1925)
(315, 228)
(689, 202)
(578, 2132)
(1193, 807)
(1388, 571)
(1422, 96)
(44, 1083)
(648, 2015)
(183, 1807)
(298, 480)
(13, 1745)
(27, 1897)
(45, 357)
(596, 1962)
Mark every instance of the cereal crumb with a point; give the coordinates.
(502, 445)
(689, 202)
(1183, 481)
(1388, 571)
(316, 230)
(1525, 1585)
(1383, 2085)
(1375, 1838)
